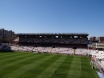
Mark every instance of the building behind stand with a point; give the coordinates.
(6, 37)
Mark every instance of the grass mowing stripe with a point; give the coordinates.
(9, 55)
(22, 56)
(84, 66)
(18, 66)
(75, 68)
(51, 69)
(86, 70)
(13, 58)
(26, 67)
(40, 68)
(12, 53)
(1, 53)
(18, 61)
(62, 70)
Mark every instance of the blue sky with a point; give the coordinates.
(53, 16)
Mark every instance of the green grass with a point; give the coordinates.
(29, 65)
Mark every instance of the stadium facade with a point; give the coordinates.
(79, 40)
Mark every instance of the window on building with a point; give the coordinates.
(75, 36)
(57, 36)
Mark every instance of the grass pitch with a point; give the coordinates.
(29, 65)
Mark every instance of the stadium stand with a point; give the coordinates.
(51, 43)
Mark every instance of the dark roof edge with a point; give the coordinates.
(52, 34)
